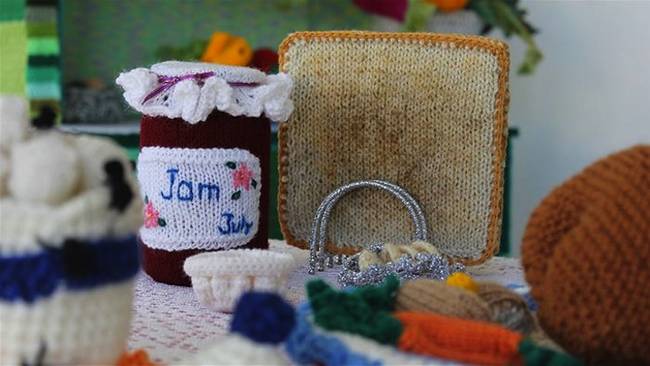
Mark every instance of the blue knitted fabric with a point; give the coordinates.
(29, 277)
(263, 317)
(305, 346)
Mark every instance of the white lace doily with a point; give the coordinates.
(170, 324)
(192, 90)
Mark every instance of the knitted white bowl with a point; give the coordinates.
(220, 278)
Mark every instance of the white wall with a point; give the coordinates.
(590, 96)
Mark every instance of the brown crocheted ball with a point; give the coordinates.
(586, 253)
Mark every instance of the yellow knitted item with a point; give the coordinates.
(462, 280)
(424, 111)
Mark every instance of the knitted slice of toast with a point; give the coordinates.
(424, 111)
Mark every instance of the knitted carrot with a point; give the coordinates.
(136, 358)
(458, 339)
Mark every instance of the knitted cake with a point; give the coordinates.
(586, 251)
(68, 253)
(426, 112)
(204, 162)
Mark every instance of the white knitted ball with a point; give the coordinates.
(94, 153)
(45, 169)
(14, 120)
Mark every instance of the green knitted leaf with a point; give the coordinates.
(162, 222)
(254, 183)
(231, 165)
(235, 196)
(534, 355)
(365, 312)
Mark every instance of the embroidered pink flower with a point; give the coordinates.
(242, 177)
(151, 215)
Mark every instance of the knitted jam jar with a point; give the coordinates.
(204, 162)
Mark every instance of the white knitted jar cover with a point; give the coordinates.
(220, 278)
(199, 198)
(200, 88)
(76, 327)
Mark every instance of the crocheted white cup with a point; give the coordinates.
(220, 278)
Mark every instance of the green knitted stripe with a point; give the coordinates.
(42, 29)
(49, 90)
(13, 57)
(41, 13)
(11, 10)
(43, 74)
(43, 46)
(43, 61)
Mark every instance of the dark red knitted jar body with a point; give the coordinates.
(219, 130)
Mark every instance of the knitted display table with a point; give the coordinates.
(170, 324)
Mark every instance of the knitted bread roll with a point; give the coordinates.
(393, 252)
(585, 253)
(437, 297)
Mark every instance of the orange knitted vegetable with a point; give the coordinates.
(449, 5)
(226, 49)
(458, 339)
(136, 358)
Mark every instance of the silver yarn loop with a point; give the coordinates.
(318, 238)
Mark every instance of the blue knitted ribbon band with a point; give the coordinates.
(305, 345)
(79, 266)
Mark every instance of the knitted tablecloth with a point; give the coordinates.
(170, 324)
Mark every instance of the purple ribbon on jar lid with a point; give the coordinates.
(166, 82)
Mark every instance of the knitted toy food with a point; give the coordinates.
(586, 251)
(203, 167)
(227, 49)
(67, 250)
(367, 106)
(437, 297)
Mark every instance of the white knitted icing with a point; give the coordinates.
(199, 198)
(58, 190)
(233, 349)
(193, 100)
(24, 224)
(78, 328)
(220, 278)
